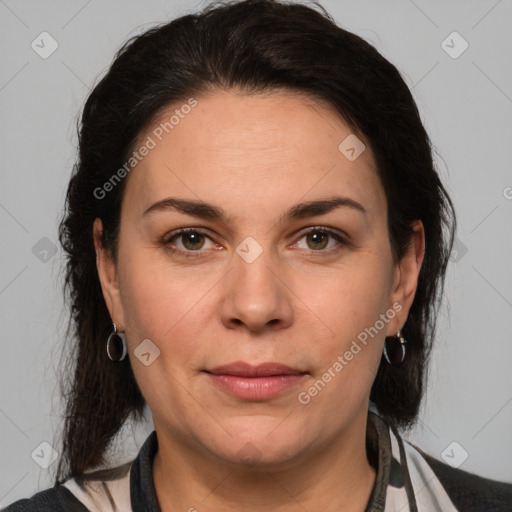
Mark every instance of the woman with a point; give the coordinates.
(257, 241)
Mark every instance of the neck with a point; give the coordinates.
(339, 477)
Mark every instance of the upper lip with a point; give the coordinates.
(243, 369)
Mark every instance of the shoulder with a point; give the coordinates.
(471, 492)
(56, 499)
(105, 490)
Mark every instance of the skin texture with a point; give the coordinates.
(301, 302)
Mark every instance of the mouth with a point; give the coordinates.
(255, 383)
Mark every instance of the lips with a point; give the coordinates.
(255, 383)
(241, 369)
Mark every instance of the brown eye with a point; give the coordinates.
(192, 241)
(321, 240)
(317, 240)
(188, 242)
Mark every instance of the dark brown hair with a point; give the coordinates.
(252, 46)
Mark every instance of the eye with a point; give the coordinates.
(188, 242)
(318, 239)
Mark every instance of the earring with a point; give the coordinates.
(394, 349)
(116, 345)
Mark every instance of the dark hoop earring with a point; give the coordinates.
(394, 349)
(116, 345)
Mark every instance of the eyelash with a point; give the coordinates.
(195, 254)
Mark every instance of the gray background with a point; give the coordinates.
(466, 104)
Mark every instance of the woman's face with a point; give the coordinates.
(269, 274)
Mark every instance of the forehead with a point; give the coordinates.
(252, 153)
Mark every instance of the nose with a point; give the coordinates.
(257, 297)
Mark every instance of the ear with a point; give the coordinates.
(108, 277)
(406, 278)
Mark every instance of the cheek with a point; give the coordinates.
(164, 304)
(165, 307)
(347, 361)
(349, 307)
(350, 299)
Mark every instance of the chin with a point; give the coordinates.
(261, 446)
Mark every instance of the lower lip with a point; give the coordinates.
(255, 388)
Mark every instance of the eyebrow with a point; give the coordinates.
(205, 210)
